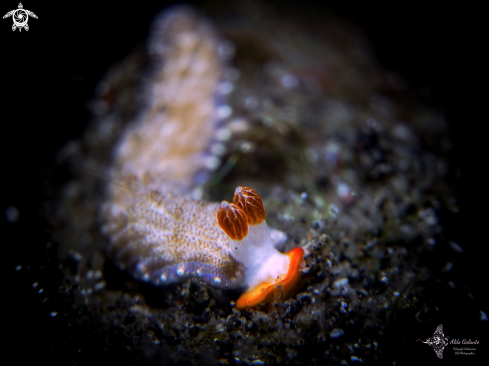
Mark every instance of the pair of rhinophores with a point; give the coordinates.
(156, 229)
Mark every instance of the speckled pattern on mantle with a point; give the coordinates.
(347, 165)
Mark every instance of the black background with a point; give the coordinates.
(50, 72)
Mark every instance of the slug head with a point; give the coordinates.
(271, 275)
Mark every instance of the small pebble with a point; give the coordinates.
(98, 286)
(11, 213)
(335, 333)
(448, 267)
(483, 316)
(340, 282)
(456, 247)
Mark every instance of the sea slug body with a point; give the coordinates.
(156, 228)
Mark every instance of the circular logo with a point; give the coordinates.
(20, 17)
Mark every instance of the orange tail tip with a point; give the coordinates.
(266, 292)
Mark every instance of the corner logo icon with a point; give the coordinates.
(438, 341)
(20, 17)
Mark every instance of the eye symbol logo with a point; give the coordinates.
(438, 341)
(20, 17)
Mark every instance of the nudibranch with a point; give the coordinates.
(156, 227)
(165, 238)
(270, 274)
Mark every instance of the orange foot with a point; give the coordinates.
(266, 292)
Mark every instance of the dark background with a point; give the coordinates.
(50, 72)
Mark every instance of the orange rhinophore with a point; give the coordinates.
(232, 220)
(251, 203)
